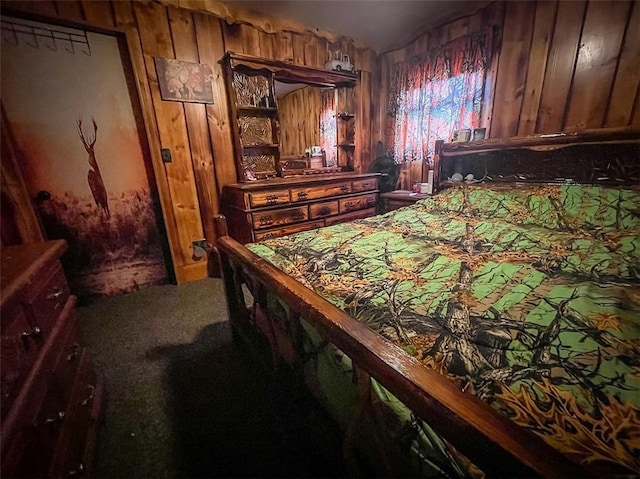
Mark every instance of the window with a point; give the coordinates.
(435, 94)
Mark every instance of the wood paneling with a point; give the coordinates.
(627, 79)
(561, 65)
(542, 31)
(198, 135)
(186, 48)
(156, 41)
(600, 42)
(513, 67)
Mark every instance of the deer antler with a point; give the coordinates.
(88, 145)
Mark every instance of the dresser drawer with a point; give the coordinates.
(19, 350)
(315, 192)
(271, 218)
(69, 455)
(356, 215)
(288, 230)
(68, 362)
(365, 185)
(268, 198)
(47, 302)
(357, 203)
(320, 210)
(35, 425)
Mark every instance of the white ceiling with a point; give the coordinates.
(381, 24)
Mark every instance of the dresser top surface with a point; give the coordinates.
(19, 263)
(299, 180)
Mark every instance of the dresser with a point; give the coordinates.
(267, 209)
(51, 395)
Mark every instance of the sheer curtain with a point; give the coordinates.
(435, 94)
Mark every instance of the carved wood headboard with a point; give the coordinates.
(603, 156)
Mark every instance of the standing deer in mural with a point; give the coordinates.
(94, 177)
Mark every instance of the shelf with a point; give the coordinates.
(256, 109)
(346, 116)
(261, 145)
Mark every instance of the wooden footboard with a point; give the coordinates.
(492, 442)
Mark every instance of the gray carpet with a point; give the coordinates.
(184, 401)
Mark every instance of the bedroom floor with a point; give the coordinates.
(184, 401)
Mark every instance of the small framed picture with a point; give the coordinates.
(184, 81)
(479, 134)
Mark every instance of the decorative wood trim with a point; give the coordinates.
(293, 71)
(545, 141)
(232, 14)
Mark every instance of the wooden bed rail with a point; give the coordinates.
(491, 441)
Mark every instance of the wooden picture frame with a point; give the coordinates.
(184, 81)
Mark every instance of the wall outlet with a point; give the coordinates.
(199, 248)
(166, 155)
(202, 243)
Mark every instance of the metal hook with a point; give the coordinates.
(35, 38)
(14, 35)
(54, 45)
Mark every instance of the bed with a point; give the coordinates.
(491, 330)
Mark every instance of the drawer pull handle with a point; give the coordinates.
(74, 354)
(57, 292)
(302, 195)
(34, 333)
(266, 220)
(344, 188)
(77, 471)
(92, 390)
(57, 418)
(272, 199)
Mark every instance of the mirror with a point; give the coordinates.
(307, 122)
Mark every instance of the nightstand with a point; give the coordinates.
(393, 200)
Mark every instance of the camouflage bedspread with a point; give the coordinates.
(527, 297)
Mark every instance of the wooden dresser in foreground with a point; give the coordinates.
(271, 208)
(51, 395)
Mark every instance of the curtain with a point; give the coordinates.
(328, 133)
(435, 94)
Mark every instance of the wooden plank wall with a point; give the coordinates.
(561, 66)
(299, 114)
(198, 135)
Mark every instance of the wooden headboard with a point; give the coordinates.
(603, 156)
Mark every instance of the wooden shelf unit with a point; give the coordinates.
(254, 112)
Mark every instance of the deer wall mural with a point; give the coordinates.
(94, 177)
